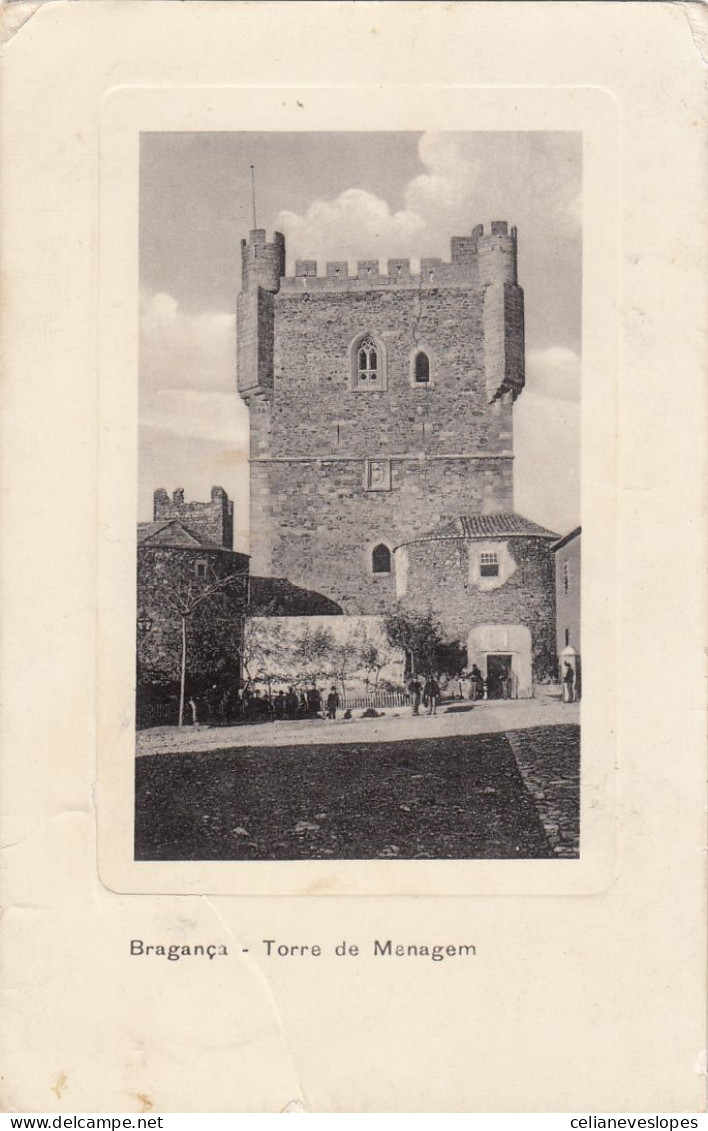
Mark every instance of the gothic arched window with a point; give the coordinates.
(368, 364)
(368, 361)
(381, 559)
(421, 371)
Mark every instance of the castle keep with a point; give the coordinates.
(380, 411)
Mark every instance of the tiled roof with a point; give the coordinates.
(469, 526)
(171, 532)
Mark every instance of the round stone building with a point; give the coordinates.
(490, 581)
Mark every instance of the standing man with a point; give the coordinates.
(568, 684)
(477, 682)
(431, 691)
(291, 704)
(332, 703)
(414, 693)
(314, 701)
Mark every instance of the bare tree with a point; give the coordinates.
(185, 598)
(313, 652)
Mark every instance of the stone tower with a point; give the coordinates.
(380, 406)
(212, 521)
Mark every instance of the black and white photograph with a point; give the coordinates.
(358, 626)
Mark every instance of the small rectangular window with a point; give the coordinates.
(200, 569)
(567, 637)
(488, 565)
(566, 576)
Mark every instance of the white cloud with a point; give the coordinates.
(553, 372)
(188, 374)
(181, 349)
(219, 418)
(449, 184)
(547, 440)
(340, 228)
(531, 186)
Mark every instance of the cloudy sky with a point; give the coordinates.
(347, 196)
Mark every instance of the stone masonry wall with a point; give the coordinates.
(328, 524)
(312, 518)
(313, 369)
(214, 631)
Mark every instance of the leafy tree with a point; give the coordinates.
(420, 635)
(451, 657)
(323, 656)
(371, 658)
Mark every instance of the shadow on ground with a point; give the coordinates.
(459, 797)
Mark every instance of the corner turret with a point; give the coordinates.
(262, 263)
(262, 267)
(503, 312)
(496, 254)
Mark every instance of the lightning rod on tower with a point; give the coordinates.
(253, 194)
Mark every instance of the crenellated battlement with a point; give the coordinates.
(480, 258)
(213, 520)
(262, 262)
(483, 263)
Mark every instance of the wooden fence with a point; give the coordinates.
(375, 699)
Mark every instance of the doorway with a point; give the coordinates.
(499, 681)
(503, 642)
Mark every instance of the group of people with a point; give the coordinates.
(289, 704)
(427, 693)
(468, 685)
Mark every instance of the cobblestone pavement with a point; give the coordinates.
(549, 761)
(438, 798)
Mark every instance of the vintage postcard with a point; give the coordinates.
(354, 475)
